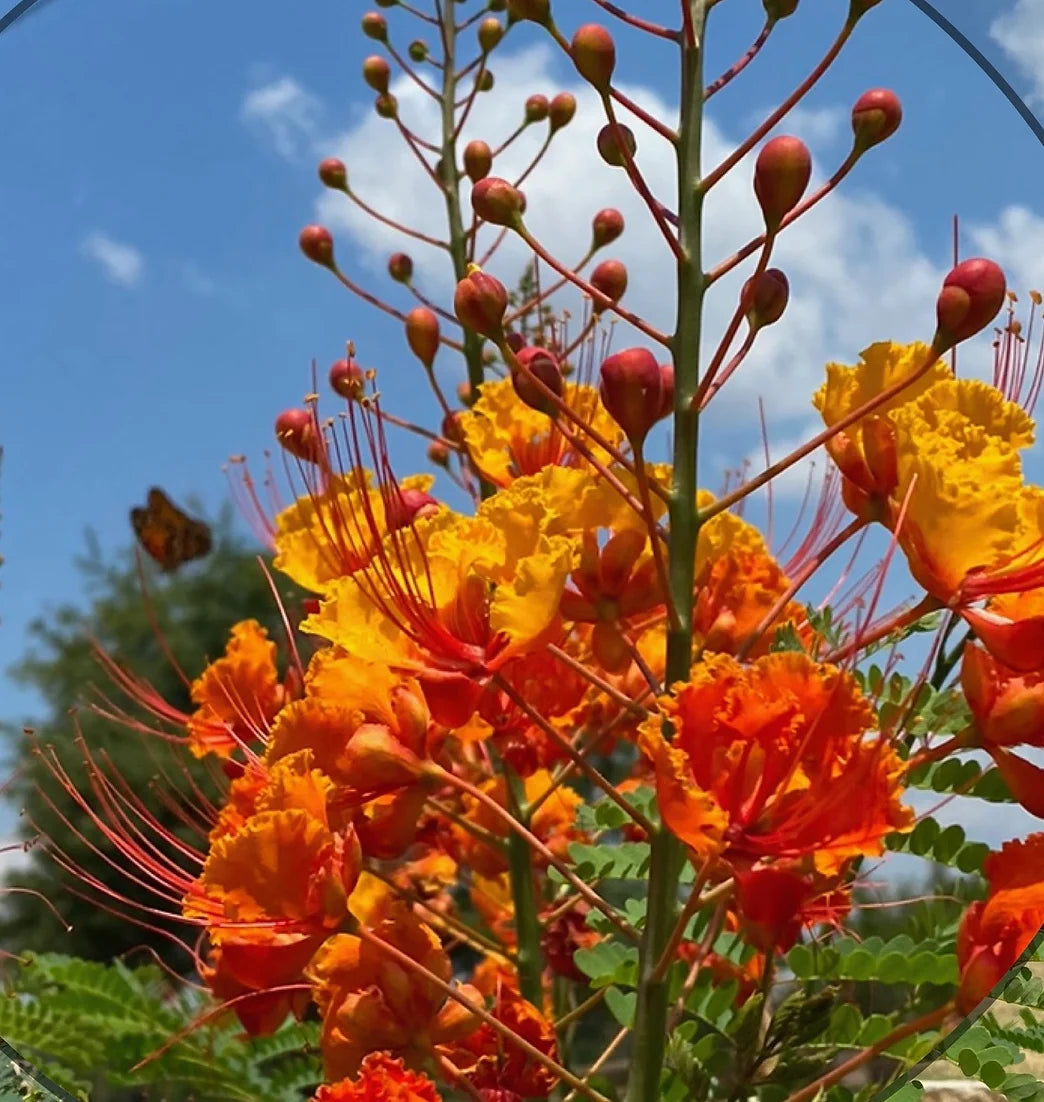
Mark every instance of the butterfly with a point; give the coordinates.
(167, 534)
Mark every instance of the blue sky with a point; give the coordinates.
(157, 313)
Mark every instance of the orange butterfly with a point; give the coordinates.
(167, 534)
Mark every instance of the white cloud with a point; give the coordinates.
(285, 114)
(121, 263)
(1020, 33)
(197, 281)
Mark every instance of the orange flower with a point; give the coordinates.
(770, 760)
(369, 1001)
(381, 1078)
(994, 933)
(260, 1011)
(238, 695)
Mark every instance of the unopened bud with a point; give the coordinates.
(609, 277)
(347, 379)
(480, 301)
(537, 108)
(478, 160)
(376, 73)
(781, 174)
(606, 227)
(875, 116)
(615, 141)
(631, 391)
(400, 267)
(666, 390)
(386, 105)
(533, 11)
(594, 55)
(561, 110)
(490, 32)
(485, 81)
(545, 367)
(422, 334)
(406, 506)
(297, 431)
(418, 50)
(451, 428)
(317, 244)
(375, 26)
(779, 9)
(858, 8)
(438, 454)
(467, 395)
(333, 174)
(412, 717)
(765, 297)
(971, 296)
(496, 201)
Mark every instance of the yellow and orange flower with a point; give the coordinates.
(381, 1078)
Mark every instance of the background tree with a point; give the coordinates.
(194, 609)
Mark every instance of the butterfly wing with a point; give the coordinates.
(168, 535)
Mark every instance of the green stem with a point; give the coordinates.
(667, 855)
(527, 924)
(451, 191)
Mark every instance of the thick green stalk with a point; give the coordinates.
(527, 923)
(451, 185)
(668, 857)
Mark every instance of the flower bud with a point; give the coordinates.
(467, 396)
(438, 454)
(666, 390)
(386, 106)
(533, 11)
(409, 707)
(333, 174)
(614, 142)
(485, 81)
(418, 50)
(609, 277)
(545, 367)
(422, 334)
(858, 8)
(400, 267)
(781, 175)
(971, 296)
(606, 227)
(496, 201)
(376, 73)
(594, 55)
(490, 32)
(631, 391)
(765, 297)
(403, 508)
(779, 9)
(347, 379)
(478, 160)
(298, 432)
(875, 116)
(561, 111)
(537, 108)
(375, 26)
(317, 244)
(451, 429)
(515, 341)
(479, 302)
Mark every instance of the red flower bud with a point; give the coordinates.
(971, 296)
(333, 174)
(375, 26)
(666, 390)
(875, 116)
(537, 108)
(594, 55)
(478, 160)
(515, 341)
(317, 244)
(347, 379)
(298, 432)
(418, 50)
(781, 175)
(765, 297)
(386, 105)
(467, 396)
(614, 142)
(545, 367)
(535, 11)
(402, 509)
(609, 277)
(376, 72)
(496, 201)
(451, 429)
(438, 454)
(631, 390)
(422, 334)
(490, 32)
(479, 303)
(606, 227)
(779, 9)
(400, 267)
(562, 110)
